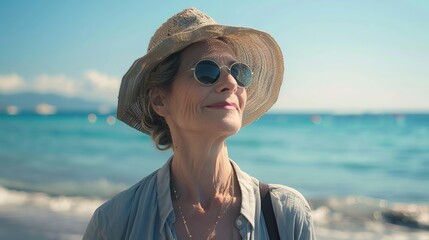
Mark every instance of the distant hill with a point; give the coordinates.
(31, 102)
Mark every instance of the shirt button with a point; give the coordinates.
(239, 223)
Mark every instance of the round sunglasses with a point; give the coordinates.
(207, 72)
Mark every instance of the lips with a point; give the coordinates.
(223, 105)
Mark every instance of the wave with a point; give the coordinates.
(357, 217)
(101, 188)
(327, 211)
(13, 199)
(35, 215)
(350, 217)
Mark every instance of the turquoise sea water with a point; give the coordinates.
(341, 163)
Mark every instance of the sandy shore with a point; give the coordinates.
(38, 216)
(42, 227)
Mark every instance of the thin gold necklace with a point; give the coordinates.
(220, 210)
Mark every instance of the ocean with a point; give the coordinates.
(365, 176)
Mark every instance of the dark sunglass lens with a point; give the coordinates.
(207, 72)
(242, 73)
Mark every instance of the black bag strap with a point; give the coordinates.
(267, 209)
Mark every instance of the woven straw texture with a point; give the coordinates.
(255, 48)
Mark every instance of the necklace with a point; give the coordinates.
(231, 178)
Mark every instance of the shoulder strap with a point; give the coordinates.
(267, 209)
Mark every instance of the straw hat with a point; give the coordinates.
(255, 48)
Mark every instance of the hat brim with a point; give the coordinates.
(255, 48)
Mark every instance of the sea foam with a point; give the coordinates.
(356, 217)
(60, 204)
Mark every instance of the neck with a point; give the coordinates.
(201, 170)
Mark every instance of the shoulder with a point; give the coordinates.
(292, 212)
(123, 200)
(289, 198)
(115, 213)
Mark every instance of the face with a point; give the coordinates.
(191, 107)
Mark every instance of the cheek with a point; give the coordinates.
(185, 102)
(190, 104)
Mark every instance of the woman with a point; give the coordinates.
(199, 83)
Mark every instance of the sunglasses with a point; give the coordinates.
(207, 72)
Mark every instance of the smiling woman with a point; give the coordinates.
(189, 105)
(198, 84)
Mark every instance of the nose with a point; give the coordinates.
(226, 81)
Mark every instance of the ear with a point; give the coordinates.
(158, 101)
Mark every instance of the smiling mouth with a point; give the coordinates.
(223, 105)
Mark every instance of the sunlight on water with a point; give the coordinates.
(365, 176)
(92, 118)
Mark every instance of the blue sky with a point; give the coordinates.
(340, 55)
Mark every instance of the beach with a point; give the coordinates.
(39, 216)
(365, 176)
(25, 215)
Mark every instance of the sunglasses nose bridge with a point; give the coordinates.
(227, 69)
(229, 77)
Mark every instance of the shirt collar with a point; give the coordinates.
(165, 204)
(249, 189)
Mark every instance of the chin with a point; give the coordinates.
(227, 126)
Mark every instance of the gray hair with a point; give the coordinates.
(161, 77)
